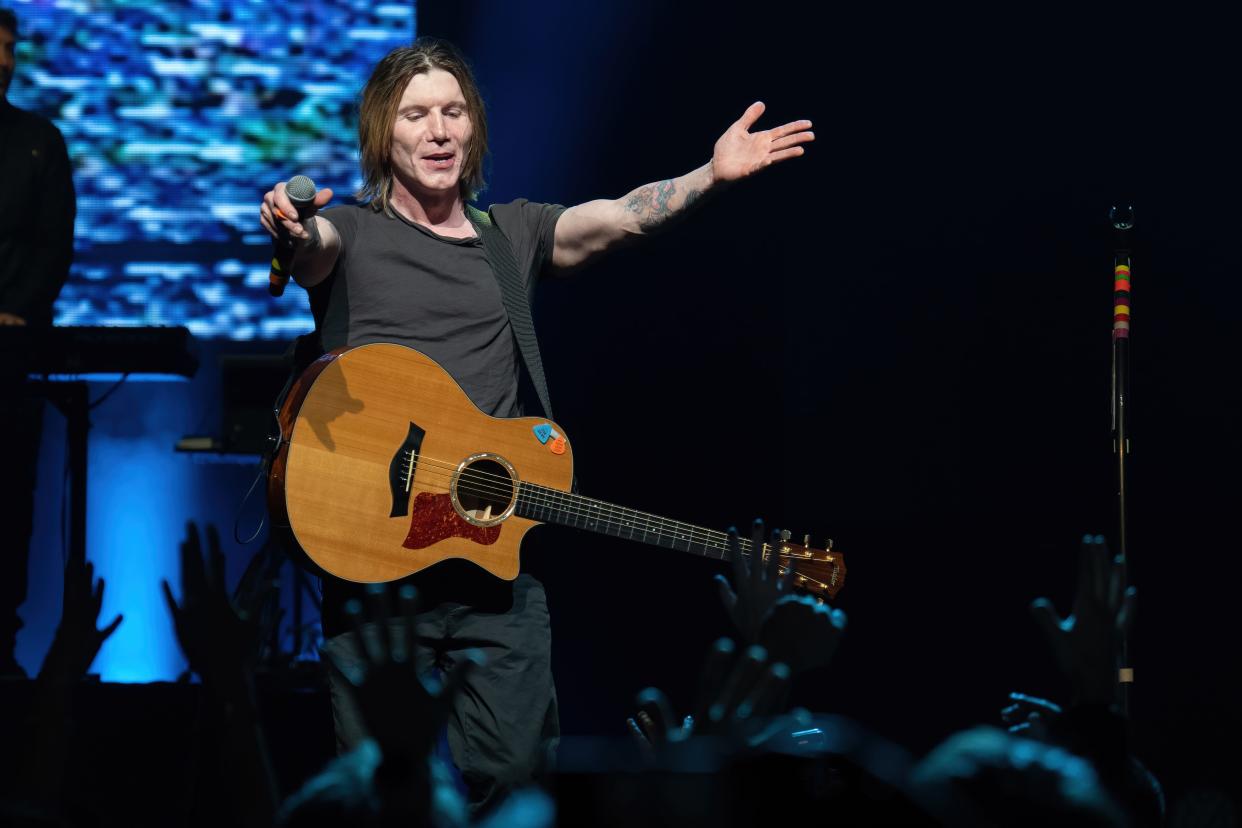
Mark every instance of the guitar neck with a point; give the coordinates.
(817, 571)
(566, 509)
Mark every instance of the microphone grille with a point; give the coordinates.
(300, 188)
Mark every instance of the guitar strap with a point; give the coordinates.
(513, 292)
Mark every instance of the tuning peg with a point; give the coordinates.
(828, 545)
(806, 540)
(785, 535)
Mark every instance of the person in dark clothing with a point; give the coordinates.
(36, 248)
(36, 203)
(410, 265)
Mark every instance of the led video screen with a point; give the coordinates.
(178, 117)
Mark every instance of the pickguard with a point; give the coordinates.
(435, 520)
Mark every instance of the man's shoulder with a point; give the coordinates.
(515, 206)
(521, 212)
(351, 218)
(33, 123)
(352, 210)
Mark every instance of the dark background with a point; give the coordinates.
(900, 340)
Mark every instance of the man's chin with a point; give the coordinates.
(433, 187)
(439, 187)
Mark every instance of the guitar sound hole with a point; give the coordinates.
(484, 490)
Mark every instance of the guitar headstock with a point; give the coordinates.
(820, 572)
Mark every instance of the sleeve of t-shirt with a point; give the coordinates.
(330, 320)
(345, 219)
(530, 228)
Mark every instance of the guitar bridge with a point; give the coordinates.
(401, 471)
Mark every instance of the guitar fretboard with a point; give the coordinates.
(554, 506)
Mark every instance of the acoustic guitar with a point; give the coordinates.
(385, 467)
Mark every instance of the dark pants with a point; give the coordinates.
(21, 426)
(504, 721)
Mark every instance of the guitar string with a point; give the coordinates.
(546, 497)
(504, 485)
(745, 547)
(580, 506)
(708, 538)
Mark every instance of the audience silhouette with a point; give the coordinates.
(739, 755)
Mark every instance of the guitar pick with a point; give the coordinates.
(543, 432)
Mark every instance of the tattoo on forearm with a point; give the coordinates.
(665, 191)
(639, 200)
(653, 204)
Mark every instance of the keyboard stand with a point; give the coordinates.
(72, 400)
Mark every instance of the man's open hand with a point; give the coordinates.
(740, 153)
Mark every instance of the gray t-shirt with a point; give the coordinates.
(397, 281)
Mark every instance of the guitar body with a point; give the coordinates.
(387, 468)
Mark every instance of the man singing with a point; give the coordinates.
(408, 265)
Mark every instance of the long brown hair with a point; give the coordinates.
(378, 113)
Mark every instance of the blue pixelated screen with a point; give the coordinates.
(178, 117)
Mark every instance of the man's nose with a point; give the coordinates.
(438, 127)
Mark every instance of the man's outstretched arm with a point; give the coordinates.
(589, 230)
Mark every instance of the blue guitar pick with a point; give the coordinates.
(543, 432)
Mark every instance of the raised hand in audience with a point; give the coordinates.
(796, 630)
(402, 711)
(78, 639)
(221, 640)
(44, 737)
(1088, 643)
(737, 692)
(222, 643)
(1088, 646)
(1030, 716)
(757, 583)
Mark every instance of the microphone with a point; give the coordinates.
(301, 191)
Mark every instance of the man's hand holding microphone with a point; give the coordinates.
(286, 214)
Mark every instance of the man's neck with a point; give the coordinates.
(446, 216)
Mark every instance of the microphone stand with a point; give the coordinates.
(1122, 218)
